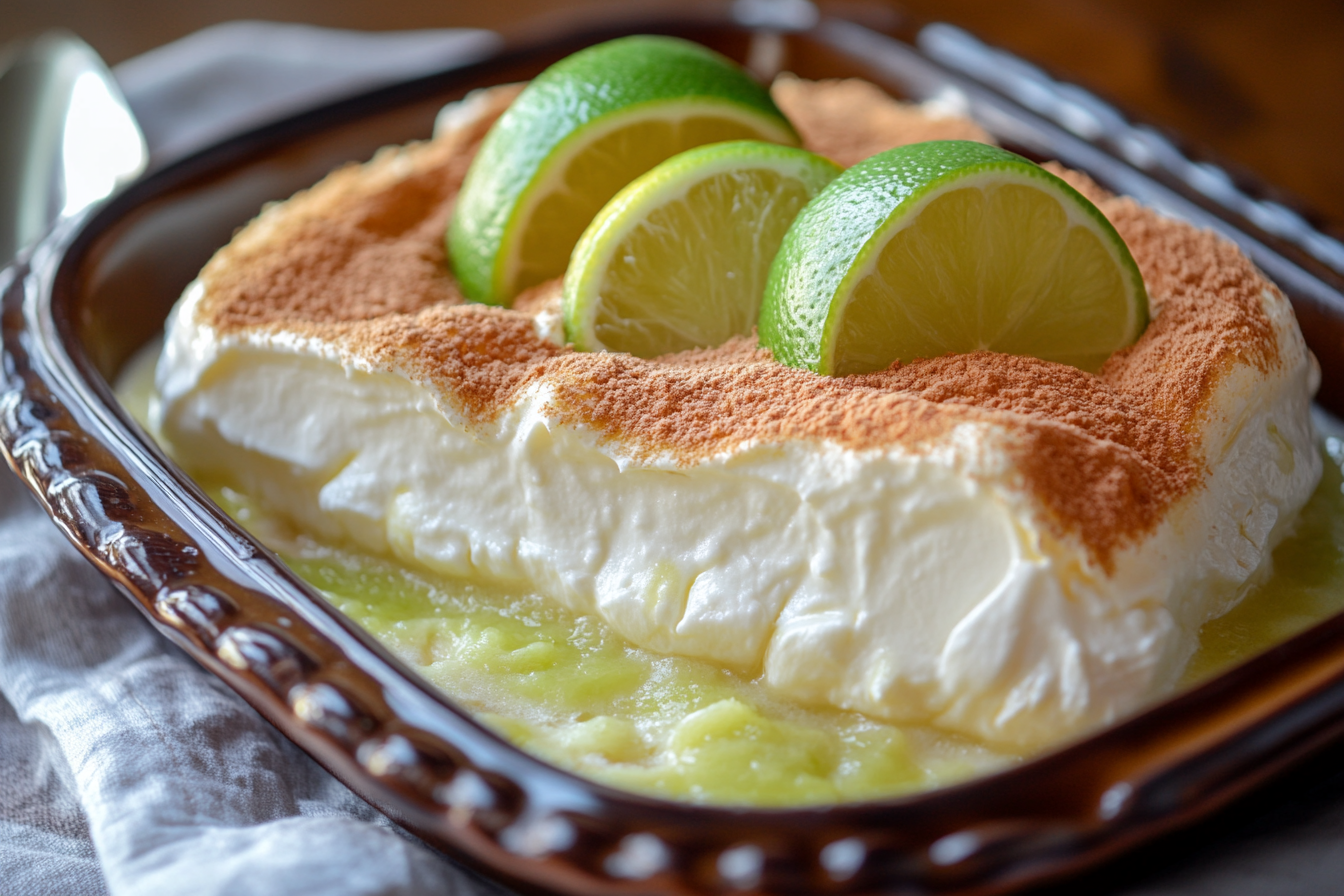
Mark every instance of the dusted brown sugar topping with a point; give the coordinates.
(359, 261)
(848, 121)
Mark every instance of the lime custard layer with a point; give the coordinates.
(570, 690)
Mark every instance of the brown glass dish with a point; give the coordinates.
(99, 287)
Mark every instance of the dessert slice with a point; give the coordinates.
(997, 545)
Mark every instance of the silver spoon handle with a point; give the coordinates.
(67, 136)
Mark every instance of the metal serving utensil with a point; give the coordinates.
(67, 136)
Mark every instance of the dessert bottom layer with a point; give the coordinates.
(575, 693)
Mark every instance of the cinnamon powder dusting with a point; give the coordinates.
(358, 261)
(849, 120)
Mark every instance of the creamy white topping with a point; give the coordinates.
(916, 587)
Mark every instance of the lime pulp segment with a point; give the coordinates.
(579, 132)
(950, 246)
(603, 158)
(679, 258)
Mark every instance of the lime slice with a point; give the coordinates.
(679, 258)
(586, 127)
(950, 246)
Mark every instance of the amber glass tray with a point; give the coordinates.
(99, 286)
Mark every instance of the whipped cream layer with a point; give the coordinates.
(1001, 547)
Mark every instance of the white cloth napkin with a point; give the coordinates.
(222, 79)
(127, 769)
(124, 767)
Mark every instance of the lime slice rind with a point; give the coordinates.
(697, 223)
(551, 173)
(950, 246)
(572, 95)
(1079, 213)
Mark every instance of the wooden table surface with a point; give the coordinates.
(1260, 85)
(1255, 85)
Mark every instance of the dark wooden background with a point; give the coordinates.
(1256, 84)
(1259, 84)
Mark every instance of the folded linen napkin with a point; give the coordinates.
(126, 768)
(226, 78)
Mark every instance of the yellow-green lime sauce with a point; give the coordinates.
(570, 690)
(1306, 584)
